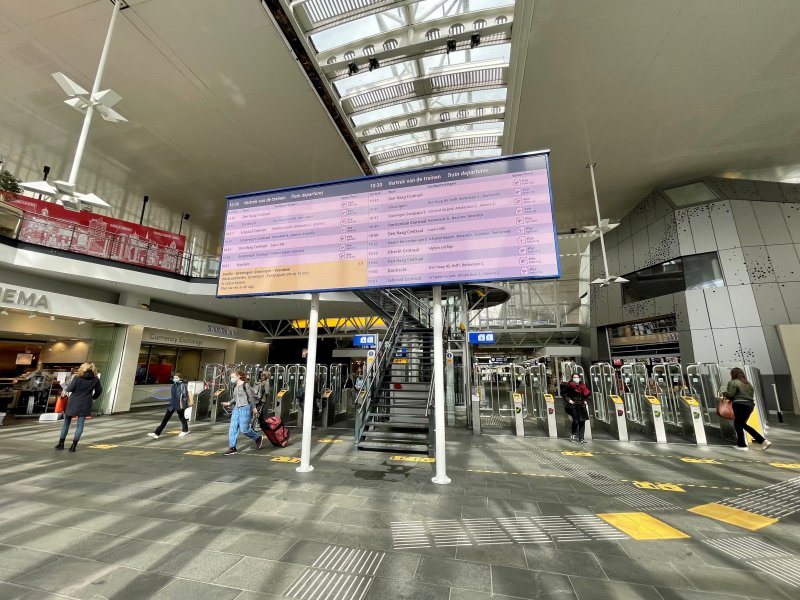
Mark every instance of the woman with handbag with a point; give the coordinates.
(178, 402)
(740, 394)
(83, 390)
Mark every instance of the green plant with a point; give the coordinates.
(9, 183)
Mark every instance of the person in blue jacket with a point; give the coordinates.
(178, 402)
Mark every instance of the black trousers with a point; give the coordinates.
(742, 412)
(578, 426)
(168, 416)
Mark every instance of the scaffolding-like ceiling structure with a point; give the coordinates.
(419, 82)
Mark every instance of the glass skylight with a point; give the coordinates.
(421, 82)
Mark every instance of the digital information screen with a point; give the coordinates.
(484, 221)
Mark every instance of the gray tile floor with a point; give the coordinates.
(129, 517)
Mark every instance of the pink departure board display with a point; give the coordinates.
(485, 221)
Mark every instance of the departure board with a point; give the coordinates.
(483, 221)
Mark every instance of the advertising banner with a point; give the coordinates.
(49, 224)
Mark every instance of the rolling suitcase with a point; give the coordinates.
(275, 430)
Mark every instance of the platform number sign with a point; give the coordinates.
(482, 337)
(365, 341)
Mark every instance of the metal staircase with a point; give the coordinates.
(392, 409)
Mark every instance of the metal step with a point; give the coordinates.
(395, 436)
(403, 406)
(393, 447)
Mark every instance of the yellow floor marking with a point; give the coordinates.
(286, 459)
(781, 465)
(417, 459)
(103, 446)
(200, 453)
(575, 453)
(329, 441)
(734, 516)
(702, 461)
(641, 526)
(667, 487)
(683, 485)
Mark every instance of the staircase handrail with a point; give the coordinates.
(415, 306)
(375, 373)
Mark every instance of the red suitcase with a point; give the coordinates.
(276, 431)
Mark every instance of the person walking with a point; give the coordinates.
(243, 401)
(740, 393)
(577, 405)
(83, 389)
(178, 402)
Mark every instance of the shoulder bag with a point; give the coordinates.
(724, 408)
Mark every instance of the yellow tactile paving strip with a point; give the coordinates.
(733, 516)
(641, 526)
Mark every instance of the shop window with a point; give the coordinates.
(686, 273)
(158, 363)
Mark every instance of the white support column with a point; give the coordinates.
(87, 120)
(308, 403)
(438, 388)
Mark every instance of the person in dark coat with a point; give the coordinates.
(576, 401)
(83, 389)
(178, 403)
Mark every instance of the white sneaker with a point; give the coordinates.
(741, 449)
(152, 435)
(183, 434)
(766, 444)
(573, 438)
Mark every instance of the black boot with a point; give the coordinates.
(60, 444)
(74, 445)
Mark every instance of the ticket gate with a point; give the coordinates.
(295, 380)
(668, 392)
(542, 404)
(569, 368)
(333, 407)
(608, 401)
(504, 394)
(277, 383)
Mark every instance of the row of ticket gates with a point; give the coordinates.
(666, 403)
(277, 387)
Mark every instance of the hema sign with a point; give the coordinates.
(10, 295)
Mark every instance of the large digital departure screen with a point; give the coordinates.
(484, 221)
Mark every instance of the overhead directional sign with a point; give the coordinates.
(365, 341)
(482, 337)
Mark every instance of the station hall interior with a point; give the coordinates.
(563, 434)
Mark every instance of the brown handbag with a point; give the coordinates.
(724, 408)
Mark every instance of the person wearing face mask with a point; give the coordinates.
(577, 405)
(243, 399)
(178, 401)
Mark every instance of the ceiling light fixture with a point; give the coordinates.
(98, 100)
(606, 279)
(32, 316)
(81, 322)
(52, 318)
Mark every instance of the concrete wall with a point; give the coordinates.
(755, 228)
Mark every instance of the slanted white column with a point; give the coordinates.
(438, 388)
(308, 403)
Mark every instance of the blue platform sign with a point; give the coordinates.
(482, 337)
(364, 341)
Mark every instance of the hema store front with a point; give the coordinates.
(44, 334)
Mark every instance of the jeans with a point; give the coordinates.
(578, 426)
(240, 423)
(168, 416)
(78, 428)
(742, 412)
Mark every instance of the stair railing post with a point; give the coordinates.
(308, 403)
(438, 382)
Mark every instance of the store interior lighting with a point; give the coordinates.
(52, 318)
(32, 316)
(81, 322)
